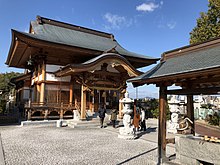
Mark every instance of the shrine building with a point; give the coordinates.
(69, 69)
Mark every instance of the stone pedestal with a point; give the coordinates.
(76, 115)
(59, 123)
(127, 132)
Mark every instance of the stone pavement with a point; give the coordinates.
(2, 161)
(42, 145)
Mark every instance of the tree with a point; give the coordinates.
(153, 109)
(208, 25)
(6, 88)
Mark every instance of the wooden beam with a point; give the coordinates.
(194, 91)
(162, 124)
(209, 79)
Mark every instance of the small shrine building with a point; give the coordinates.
(195, 69)
(70, 68)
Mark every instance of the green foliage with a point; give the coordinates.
(5, 88)
(208, 25)
(156, 113)
(214, 119)
(154, 108)
(2, 106)
(206, 106)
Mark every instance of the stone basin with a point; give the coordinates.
(193, 150)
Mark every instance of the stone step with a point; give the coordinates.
(79, 123)
(36, 123)
(87, 124)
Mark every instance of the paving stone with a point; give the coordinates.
(42, 145)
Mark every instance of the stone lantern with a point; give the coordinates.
(127, 131)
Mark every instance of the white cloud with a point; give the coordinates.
(148, 7)
(142, 91)
(171, 25)
(163, 22)
(116, 22)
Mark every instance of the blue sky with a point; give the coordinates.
(148, 27)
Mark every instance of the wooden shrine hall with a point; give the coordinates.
(70, 68)
(195, 69)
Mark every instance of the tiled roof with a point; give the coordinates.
(78, 37)
(189, 62)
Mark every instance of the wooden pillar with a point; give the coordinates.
(71, 94)
(38, 93)
(38, 86)
(61, 113)
(96, 101)
(42, 90)
(42, 87)
(93, 103)
(190, 111)
(120, 114)
(162, 125)
(83, 103)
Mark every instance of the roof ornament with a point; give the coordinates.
(112, 50)
(39, 20)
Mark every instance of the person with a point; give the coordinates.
(136, 120)
(143, 121)
(102, 112)
(114, 116)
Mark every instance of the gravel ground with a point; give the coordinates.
(40, 145)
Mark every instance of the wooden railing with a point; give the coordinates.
(49, 105)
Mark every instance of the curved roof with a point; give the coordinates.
(110, 58)
(59, 40)
(61, 33)
(182, 62)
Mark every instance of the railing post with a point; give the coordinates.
(61, 111)
(46, 114)
(29, 114)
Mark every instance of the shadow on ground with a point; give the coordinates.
(137, 156)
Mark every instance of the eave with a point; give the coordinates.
(24, 46)
(194, 78)
(90, 65)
